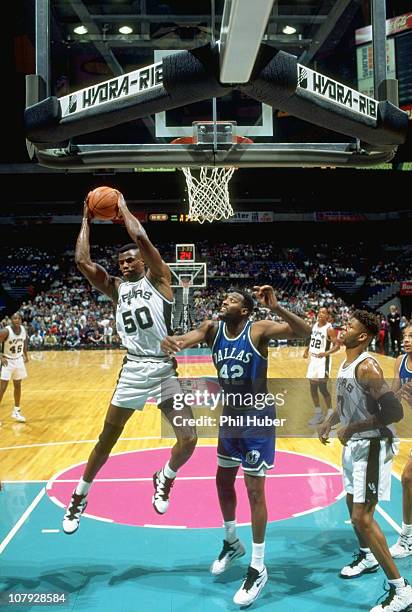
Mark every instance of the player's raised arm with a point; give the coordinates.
(158, 270)
(204, 333)
(294, 326)
(95, 274)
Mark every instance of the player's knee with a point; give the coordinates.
(362, 522)
(256, 497)
(108, 438)
(188, 440)
(324, 389)
(225, 485)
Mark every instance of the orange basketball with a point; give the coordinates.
(102, 202)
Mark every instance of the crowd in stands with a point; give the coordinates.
(66, 312)
(394, 265)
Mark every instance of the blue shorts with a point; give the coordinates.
(247, 439)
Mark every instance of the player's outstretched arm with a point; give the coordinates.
(151, 256)
(204, 333)
(294, 326)
(95, 274)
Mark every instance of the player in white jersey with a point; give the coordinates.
(13, 341)
(144, 305)
(402, 386)
(323, 342)
(367, 408)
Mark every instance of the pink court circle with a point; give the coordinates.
(122, 492)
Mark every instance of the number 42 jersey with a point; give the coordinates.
(143, 317)
(240, 367)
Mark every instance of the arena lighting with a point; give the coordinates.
(289, 29)
(81, 29)
(125, 29)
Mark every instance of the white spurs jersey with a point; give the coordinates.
(353, 402)
(13, 346)
(143, 318)
(319, 339)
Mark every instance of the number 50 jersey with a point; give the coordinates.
(143, 317)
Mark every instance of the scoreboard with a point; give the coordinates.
(185, 252)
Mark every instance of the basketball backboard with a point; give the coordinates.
(194, 274)
(287, 73)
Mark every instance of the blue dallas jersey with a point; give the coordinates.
(242, 373)
(405, 375)
(240, 366)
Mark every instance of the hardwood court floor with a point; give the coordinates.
(66, 395)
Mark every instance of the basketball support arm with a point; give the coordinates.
(191, 76)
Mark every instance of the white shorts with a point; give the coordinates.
(318, 367)
(14, 370)
(367, 468)
(140, 380)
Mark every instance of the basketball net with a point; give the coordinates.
(207, 187)
(208, 193)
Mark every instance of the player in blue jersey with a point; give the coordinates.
(402, 386)
(240, 352)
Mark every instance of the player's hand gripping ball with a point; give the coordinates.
(102, 203)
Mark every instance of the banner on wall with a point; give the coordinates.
(393, 26)
(339, 216)
(406, 288)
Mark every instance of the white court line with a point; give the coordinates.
(239, 477)
(56, 501)
(341, 494)
(389, 519)
(98, 518)
(50, 530)
(4, 448)
(165, 526)
(21, 520)
(150, 479)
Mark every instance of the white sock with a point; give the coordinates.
(17, 408)
(398, 583)
(366, 550)
(168, 472)
(258, 555)
(230, 531)
(406, 529)
(83, 487)
(318, 410)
